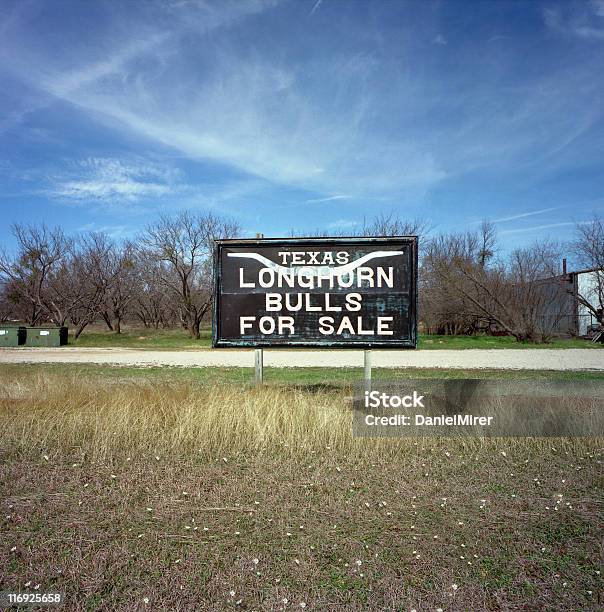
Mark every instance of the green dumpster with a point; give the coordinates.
(12, 335)
(46, 336)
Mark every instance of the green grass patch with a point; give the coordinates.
(171, 339)
(141, 338)
(302, 377)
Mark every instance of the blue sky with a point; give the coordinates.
(302, 115)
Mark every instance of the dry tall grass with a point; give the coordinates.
(98, 419)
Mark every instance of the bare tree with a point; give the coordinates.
(443, 308)
(588, 247)
(185, 244)
(391, 224)
(39, 251)
(120, 273)
(518, 295)
(8, 302)
(383, 224)
(93, 277)
(153, 305)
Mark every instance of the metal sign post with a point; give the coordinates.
(367, 369)
(258, 366)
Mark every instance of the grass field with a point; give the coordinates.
(177, 339)
(151, 488)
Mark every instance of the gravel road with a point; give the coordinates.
(508, 359)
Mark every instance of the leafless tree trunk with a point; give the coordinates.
(39, 251)
(185, 244)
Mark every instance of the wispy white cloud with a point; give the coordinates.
(582, 19)
(112, 181)
(366, 120)
(440, 40)
(114, 231)
(248, 111)
(316, 6)
(332, 198)
(526, 214)
(537, 228)
(343, 224)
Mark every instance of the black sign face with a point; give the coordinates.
(316, 292)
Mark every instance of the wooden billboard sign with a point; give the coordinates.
(316, 292)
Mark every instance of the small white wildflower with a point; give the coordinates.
(285, 600)
(302, 604)
(255, 561)
(36, 587)
(46, 457)
(454, 587)
(358, 562)
(27, 583)
(237, 533)
(178, 561)
(297, 561)
(149, 509)
(13, 549)
(232, 593)
(145, 600)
